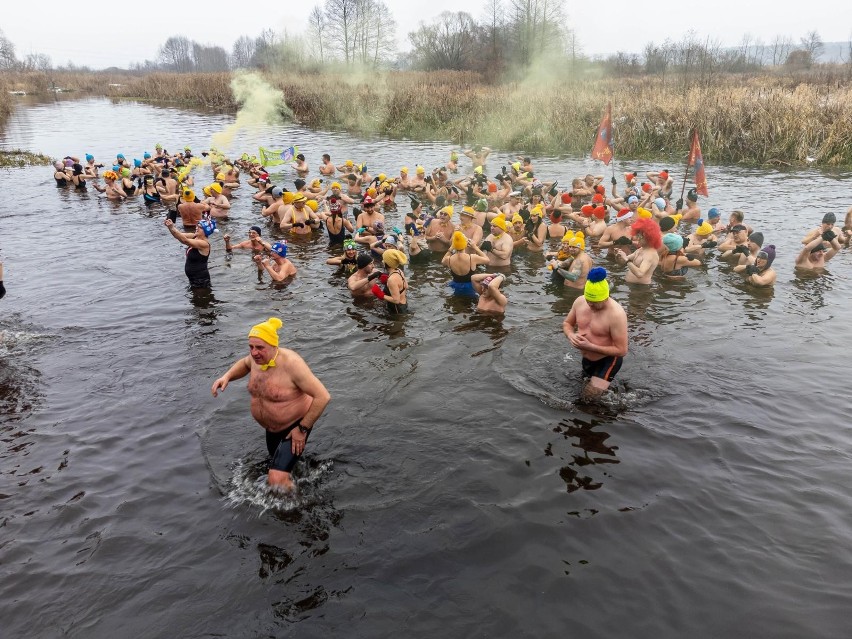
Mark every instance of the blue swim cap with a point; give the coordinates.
(147, 155)
(89, 157)
(120, 156)
(660, 203)
(137, 163)
(714, 212)
(208, 226)
(280, 249)
(116, 167)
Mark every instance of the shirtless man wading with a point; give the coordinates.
(286, 398)
(596, 325)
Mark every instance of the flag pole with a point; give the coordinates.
(688, 164)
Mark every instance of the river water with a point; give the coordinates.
(453, 485)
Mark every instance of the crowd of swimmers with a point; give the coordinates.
(473, 223)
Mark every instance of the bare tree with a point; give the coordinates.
(360, 30)
(341, 17)
(7, 53)
(812, 43)
(448, 42)
(780, 48)
(36, 62)
(494, 22)
(266, 50)
(208, 59)
(536, 27)
(316, 32)
(176, 54)
(243, 52)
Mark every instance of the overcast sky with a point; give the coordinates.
(101, 35)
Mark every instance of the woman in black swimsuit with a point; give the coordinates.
(60, 175)
(197, 252)
(673, 261)
(393, 292)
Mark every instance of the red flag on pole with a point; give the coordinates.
(697, 159)
(603, 142)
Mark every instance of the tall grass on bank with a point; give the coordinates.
(749, 120)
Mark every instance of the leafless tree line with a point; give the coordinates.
(701, 59)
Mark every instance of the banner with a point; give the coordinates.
(696, 159)
(270, 158)
(603, 142)
(289, 154)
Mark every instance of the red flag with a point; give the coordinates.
(697, 159)
(603, 141)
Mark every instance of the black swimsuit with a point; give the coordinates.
(335, 238)
(196, 268)
(393, 307)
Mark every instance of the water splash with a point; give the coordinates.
(248, 486)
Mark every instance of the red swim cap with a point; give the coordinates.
(566, 198)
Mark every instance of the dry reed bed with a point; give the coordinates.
(752, 121)
(741, 120)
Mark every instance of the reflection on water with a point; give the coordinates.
(591, 445)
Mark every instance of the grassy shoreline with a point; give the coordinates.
(19, 158)
(751, 120)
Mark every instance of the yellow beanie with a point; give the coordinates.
(349, 163)
(220, 176)
(404, 170)
(644, 213)
(597, 286)
(537, 210)
(459, 241)
(578, 240)
(569, 235)
(335, 185)
(704, 229)
(188, 195)
(499, 222)
(516, 166)
(394, 258)
(677, 217)
(216, 187)
(287, 197)
(448, 210)
(316, 183)
(313, 205)
(420, 169)
(382, 177)
(478, 170)
(267, 331)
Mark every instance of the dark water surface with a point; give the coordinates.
(453, 487)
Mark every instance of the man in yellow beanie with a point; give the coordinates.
(286, 397)
(498, 245)
(596, 325)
